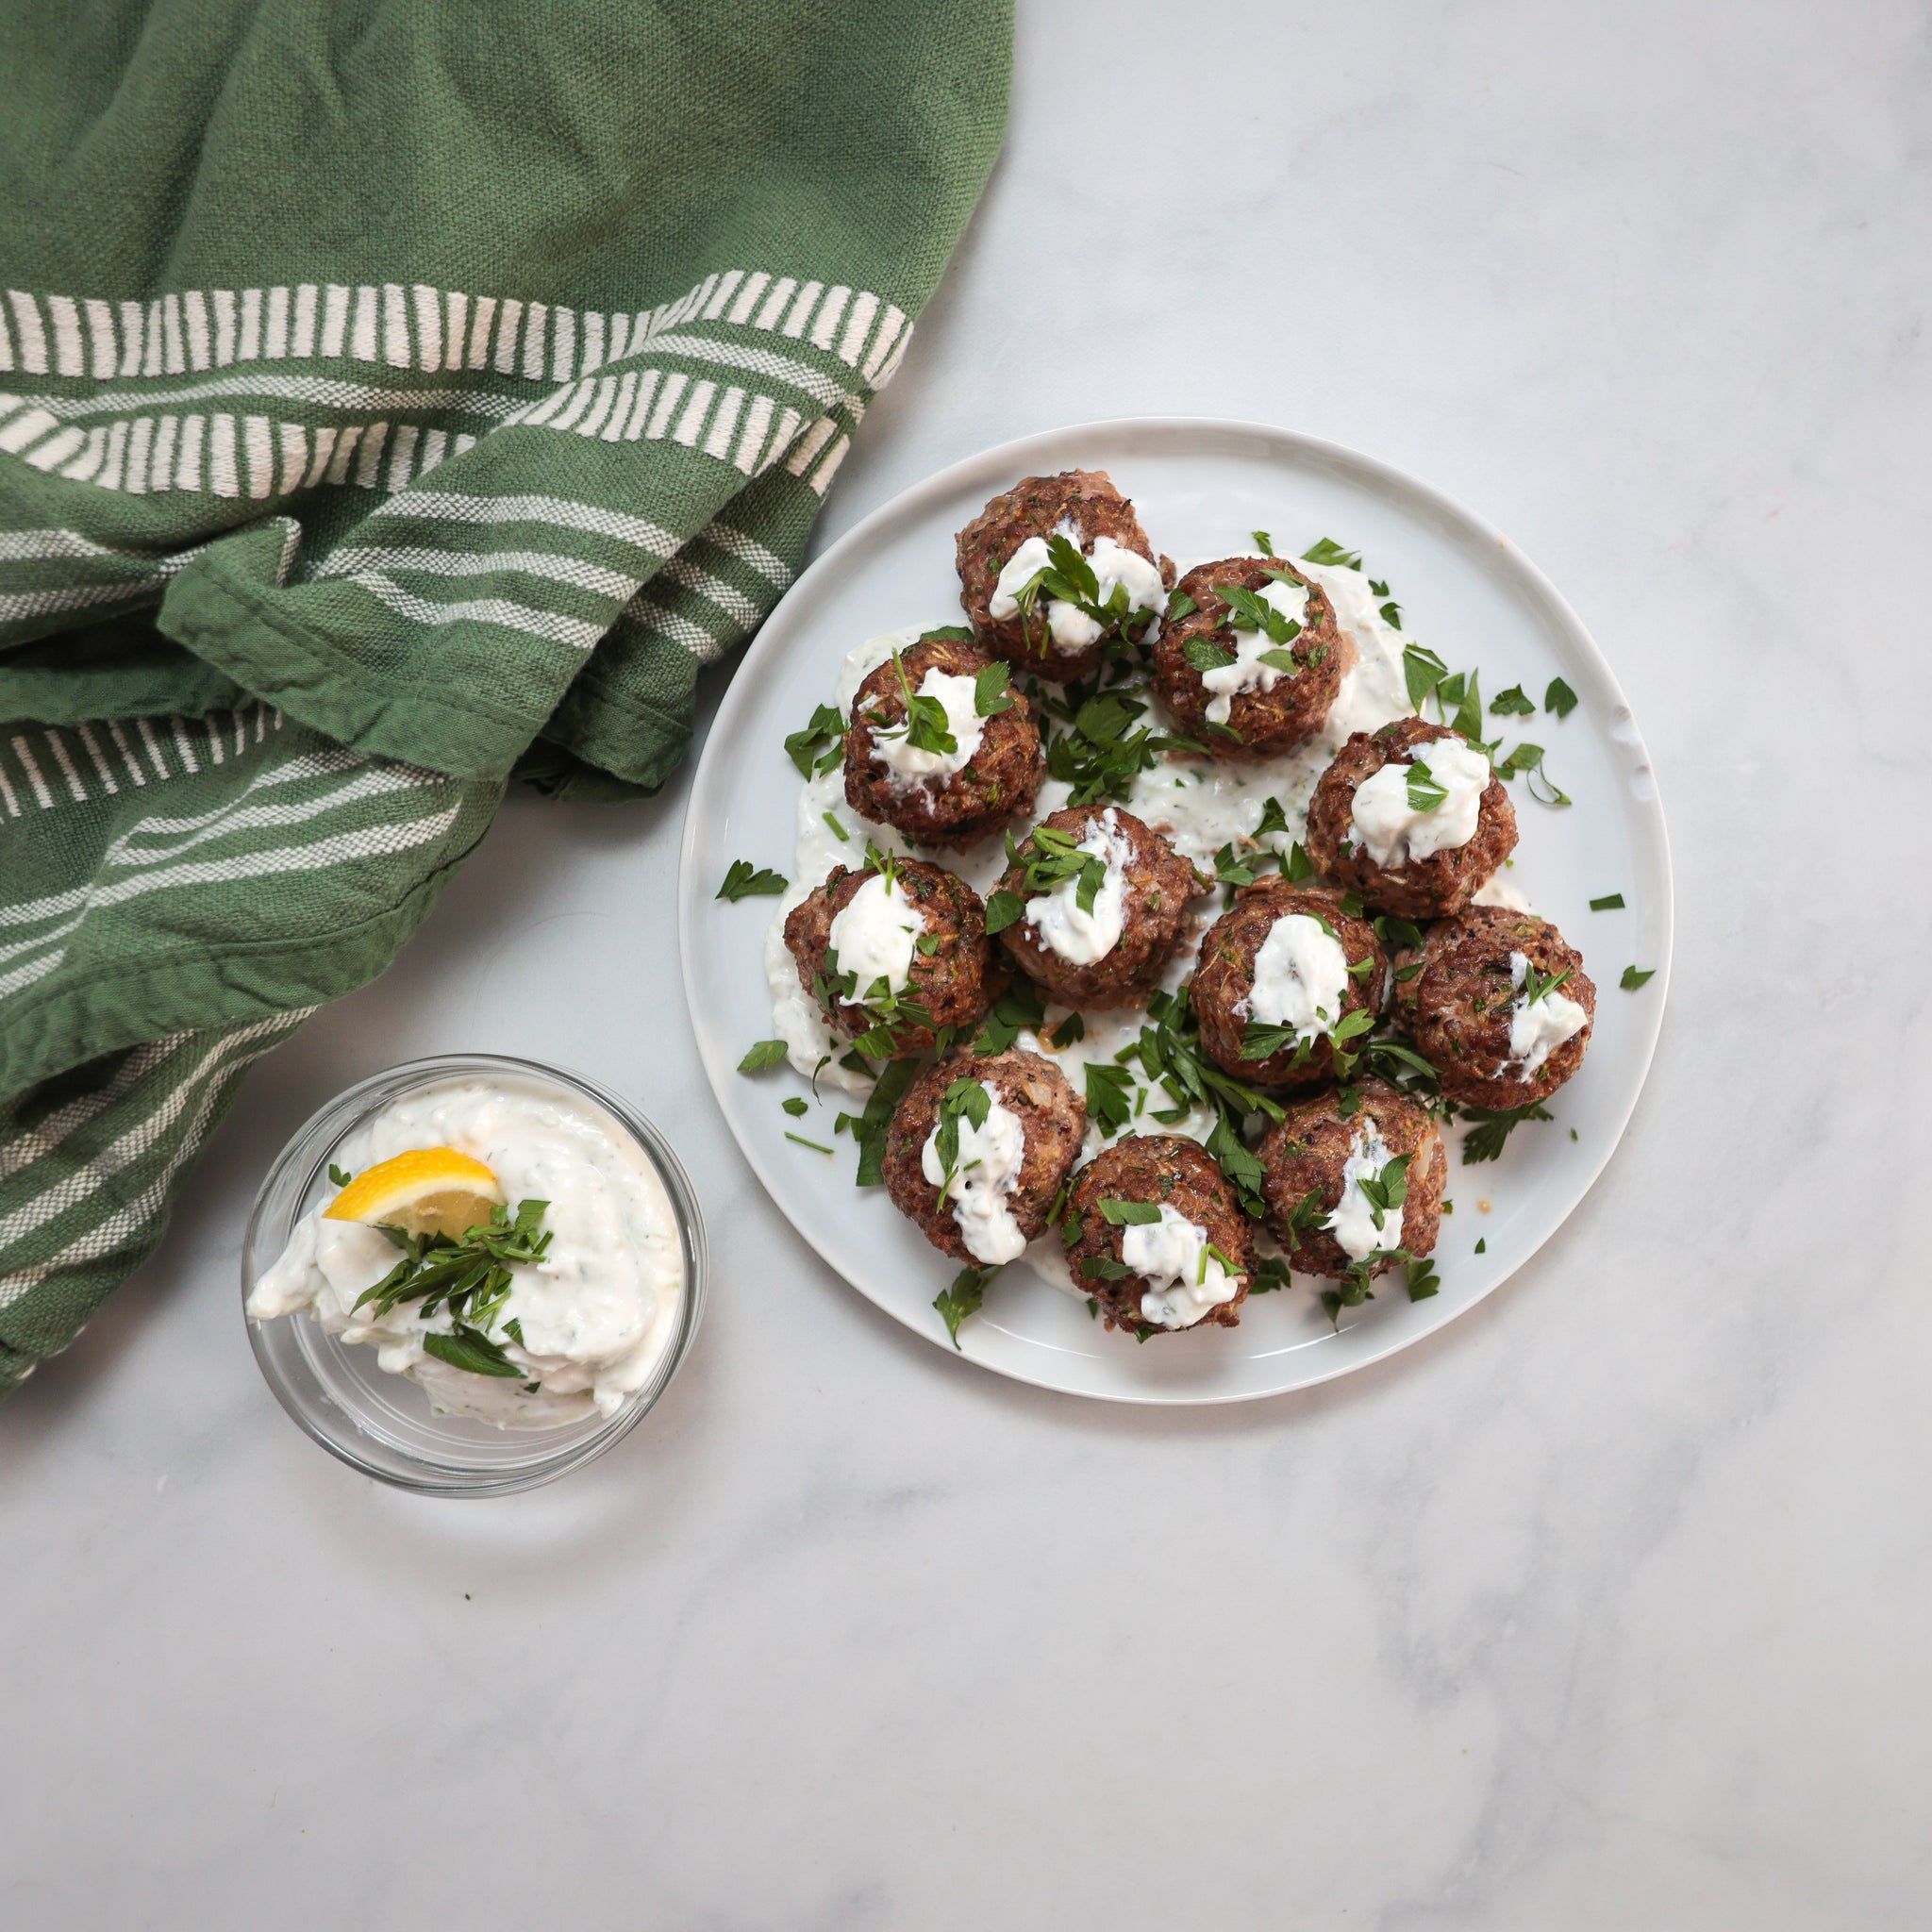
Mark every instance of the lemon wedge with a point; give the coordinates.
(427, 1190)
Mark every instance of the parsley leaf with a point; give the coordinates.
(1632, 979)
(1263, 542)
(339, 1176)
(1511, 704)
(1422, 1281)
(1297, 866)
(1109, 1096)
(1001, 909)
(1179, 604)
(821, 746)
(765, 1055)
(1494, 1127)
(1425, 794)
(894, 1077)
(742, 882)
(1423, 670)
(1328, 551)
(1538, 986)
(962, 1296)
(1559, 698)
(1205, 655)
(1129, 1213)
(470, 1349)
(990, 691)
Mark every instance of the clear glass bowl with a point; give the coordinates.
(382, 1424)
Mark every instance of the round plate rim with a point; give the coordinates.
(1016, 458)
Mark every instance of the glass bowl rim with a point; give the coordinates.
(312, 1142)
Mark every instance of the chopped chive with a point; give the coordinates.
(817, 1146)
(1611, 902)
(839, 831)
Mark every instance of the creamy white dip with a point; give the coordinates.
(1184, 1280)
(1393, 830)
(1353, 1223)
(1077, 936)
(1070, 627)
(1301, 977)
(874, 934)
(596, 1314)
(982, 1183)
(910, 764)
(1536, 1030)
(1247, 672)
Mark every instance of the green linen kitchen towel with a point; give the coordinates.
(396, 396)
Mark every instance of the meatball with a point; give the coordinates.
(1496, 1036)
(1313, 974)
(937, 798)
(1150, 1276)
(1252, 721)
(1053, 639)
(1313, 1162)
(968, 1222)
(1114, 953)
(1419, 881)
(949, 975)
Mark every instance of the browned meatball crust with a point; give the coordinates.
(1035, 506)
(1053, 1119)
(1160, 884)
(999, 782)
(1225, 979)
(1458, 1008)
(1260, 724)
(1306, 1153)
(950, 985)
(1424, 888)
(1154, 1167)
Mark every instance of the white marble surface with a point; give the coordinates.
(1605, 1609)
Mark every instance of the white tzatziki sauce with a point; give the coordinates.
(1183, 1280)
(1079, 937)
(1301, 977)
(596, 1314)
(874, 933)
(908, 763)
(1392, 829)
(1247, 672)
(983, 1180)
(1070, 627)
(1353, 1223)
(1538, 1028)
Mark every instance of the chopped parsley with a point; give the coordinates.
(795, 1107)
(1329, 552)
(764, 1056)
(1511, 704)
(742, 882)
(1129, 1213)
(1425, 794)
(1494, 1125)
(1559, 698)
(821, 746)
(991, 694)
(1632, 979)
(1422, 1281)
(1537, 986)
(471, 1278)
(962, 1296)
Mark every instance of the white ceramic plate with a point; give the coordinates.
(1200, 487)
